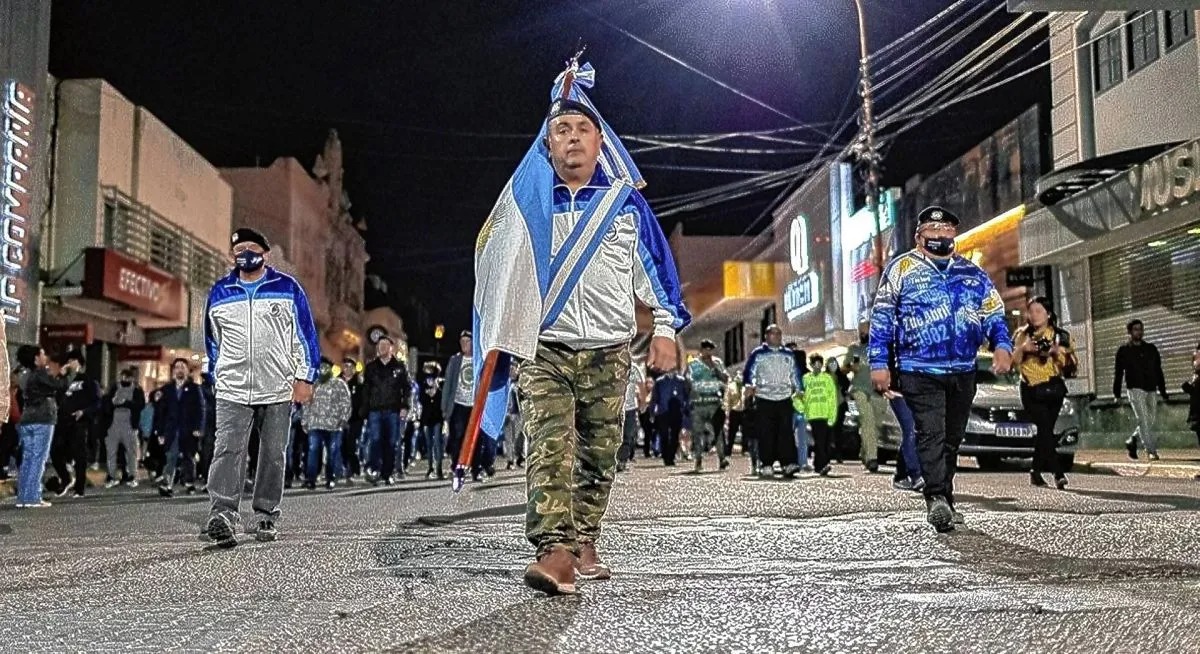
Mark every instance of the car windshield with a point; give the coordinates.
(986, 376)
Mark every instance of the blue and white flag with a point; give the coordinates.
(520, 288)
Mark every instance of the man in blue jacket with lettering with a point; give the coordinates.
(935, 310)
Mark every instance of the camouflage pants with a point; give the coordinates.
(573, 403)
(704, 433)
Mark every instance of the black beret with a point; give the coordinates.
(564, 106)
(936, 214)
(247, 235)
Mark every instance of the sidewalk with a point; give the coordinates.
(1174, 463)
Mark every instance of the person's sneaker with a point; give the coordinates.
(765, 472)
(724, 464)
(919, 484)
(329, 485)
(872, 466)
(589, 564)
(902, 484)
(94, 467)
(553, 573)
(310, 485)
(1036, 479)
(265, 532)
(166, 491)
(65, 488)
(1131, 446)
(388, 481)
(1060, 482)
(806, 468)
(111, 483)
(191, 489)
(132, 483)
(621, 466)
(790, 471)
(40, 504)
(287, 485)
(824, 472)
(940, 515)
(699, 465)
(958, 516)
(77, 495)
(220, 531)
(509, 465)
(1154, 456)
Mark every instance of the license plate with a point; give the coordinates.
(1015, 430)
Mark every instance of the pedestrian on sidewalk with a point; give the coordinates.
(179, 426)
(629, 426)
(352, 435)
(40, 382)
(123, 403)
(324, 419)
(79, 406)
(514, 423)
(255, 387)
(1192, 388)
(855, 366)
(708, 378)
(432, 418)
(735, 407)
(772, 377)
(820, 408)
(1139, 366)
(1042, 353)
(575, 188)
(650, 447)
(386, 400)
(672, 413)
(938, 309)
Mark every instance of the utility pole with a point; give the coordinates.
(865, 146)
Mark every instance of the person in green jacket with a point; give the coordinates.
(820, 408)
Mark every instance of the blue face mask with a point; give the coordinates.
(249, 261)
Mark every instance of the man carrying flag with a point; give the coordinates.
(567, 251)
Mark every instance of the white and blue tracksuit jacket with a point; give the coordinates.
(935, 320)
(773, 372)
(259, 342)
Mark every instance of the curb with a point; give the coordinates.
(1164, 470)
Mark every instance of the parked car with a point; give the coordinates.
(998, 428)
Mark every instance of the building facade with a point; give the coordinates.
(1120, 228)
(307, 220)
(137, 234)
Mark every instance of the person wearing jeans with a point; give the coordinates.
(908, 464)
(324, 419)
(39, 387)
(429, 388)
(386, 391)
(457, 400)
(1139, 366)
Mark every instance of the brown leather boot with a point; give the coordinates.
(590, 566)
(553, 573)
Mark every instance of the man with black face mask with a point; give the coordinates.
(124, 404)
(933, 312)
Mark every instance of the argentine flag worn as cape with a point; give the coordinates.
(520, 288)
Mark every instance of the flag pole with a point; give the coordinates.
(466, 455)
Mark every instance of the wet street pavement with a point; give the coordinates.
(712, 562)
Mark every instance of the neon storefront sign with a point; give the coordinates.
(802, 294)
(16, 214)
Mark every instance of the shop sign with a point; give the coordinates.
(16, 217)
(798, 244)
(1170, 178)
(140, 353)
(802, 295)
(110, 275)
(67, 333)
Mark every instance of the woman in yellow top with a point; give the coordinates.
(1040, 352)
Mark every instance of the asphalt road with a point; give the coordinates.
(714, 562)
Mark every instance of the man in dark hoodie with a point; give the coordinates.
(178, 424)
(123, 404)
(40, 384)
(386, 390)
(78, 406)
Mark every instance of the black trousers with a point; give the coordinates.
(1042, 403)
(822, 435)
(459, 418)
(350, 436)
(735, 423)
(648, 433)
(9, 445)
(776, 433)
(941, 405)
(668, 427)
(70, 444)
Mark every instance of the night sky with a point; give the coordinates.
(436, 101)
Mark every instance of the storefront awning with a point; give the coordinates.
(1066, 182)
(725, 296)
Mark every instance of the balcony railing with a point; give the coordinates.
(136, 230)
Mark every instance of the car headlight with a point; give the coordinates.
(1068, 409)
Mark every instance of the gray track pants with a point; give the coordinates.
(120, 433)
(227, 475)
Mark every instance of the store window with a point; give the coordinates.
(1154, 281)
(1179, 26)
(1106, 56)
(1142, 37)
(735, 345)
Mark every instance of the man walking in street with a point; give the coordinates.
(263, 353)
(820, 409)
(179, 426)
(569, 249)
(708, 379)
(78, 406)
(865, 397)
(936, 309)
(458, 397)
(1139, 366)
(324, 419)
(629, 428)
(772, 377)
(353, 432)
(386, 391)
(432, 431)
(124, 405)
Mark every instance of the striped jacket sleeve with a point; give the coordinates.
(306, 347)
(656, 281)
